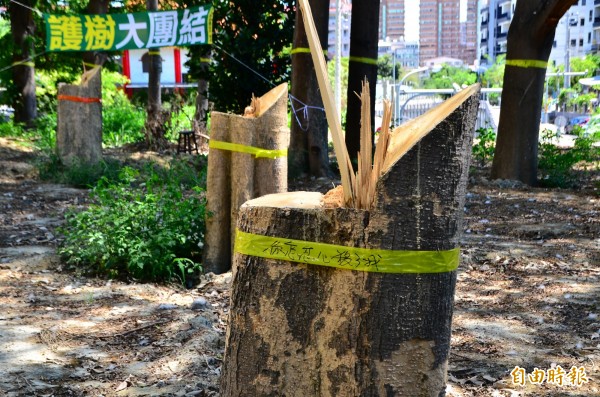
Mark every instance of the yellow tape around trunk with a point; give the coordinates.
(527, 63)
(368, 61)
(341, 257)
(255, 151)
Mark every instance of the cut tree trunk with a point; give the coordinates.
(235, 177)
(79, 134)
(217, 250)
(307, 330)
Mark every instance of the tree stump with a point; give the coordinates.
(239, 173)
(298, 329)
(79, 134)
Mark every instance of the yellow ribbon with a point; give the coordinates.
(153, 52)
(342, 257)
(527, 63)
(303, 50)
(24, 63)
(92, 65)
(205, 60)
(370, 61)
(255, 151)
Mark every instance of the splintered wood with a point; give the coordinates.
(358, 190)
(369, 166)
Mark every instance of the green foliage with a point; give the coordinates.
(557, 165)
(385, 67)
(46, 88)
(259, 35)
(485, 146)
(494, 75)
(42, 136)
(449, 75)
(80, 175)
(122, 121)
(344, 65)
(4, 27)
(149, 226)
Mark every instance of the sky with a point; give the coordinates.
(411, 18)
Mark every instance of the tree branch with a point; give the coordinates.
(550, 12)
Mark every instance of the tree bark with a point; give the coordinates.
(272, 133)
(155, 118)
(22, 27)
(308, 147)
(201, 114)
(236, 177)
(217, 250)
(363, 64)
(242, 131)
(306, 330)
(79, 134)
(530, 37)
(95, 57)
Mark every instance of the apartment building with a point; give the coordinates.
(346, 9)
(495, 17)
(577, 33)
(443, 34)
(391, 19)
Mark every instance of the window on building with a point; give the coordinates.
(591, 15)
(573, 42)
(580, 42)
(554, 44)
(589, 38)
(582, 21)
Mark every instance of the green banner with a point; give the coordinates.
(113, 32)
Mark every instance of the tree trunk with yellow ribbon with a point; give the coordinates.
(247, 158)
(346, 302)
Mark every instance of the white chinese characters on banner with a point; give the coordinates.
(192, 27)
(163, 29)
(132, 27)
(109, 32)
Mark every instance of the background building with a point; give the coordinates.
(495, 18)
(391, 19)
(577, 33)
(345, 33)
(574, 36)
(406, 53)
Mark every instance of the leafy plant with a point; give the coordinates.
(122, 121)
(42, 136)
(485, 145)
(557, 164)
(79, 175)
(151, 228)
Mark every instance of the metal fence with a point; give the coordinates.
(409, 104)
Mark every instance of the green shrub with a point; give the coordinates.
(80, 175)
(557, 164)
(122, 121)
(151, 229)
(12, 130)
(484, 148)
(42, 136)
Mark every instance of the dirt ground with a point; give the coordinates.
(527, 297)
